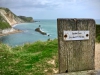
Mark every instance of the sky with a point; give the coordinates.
(53, 9)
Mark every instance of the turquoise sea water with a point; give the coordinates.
(29, 34)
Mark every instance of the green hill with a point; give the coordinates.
(26, 19)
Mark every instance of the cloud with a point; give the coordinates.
(73, 8)
(34, 3)
(49, 3)
(26, 3)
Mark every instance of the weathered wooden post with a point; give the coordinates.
(76, 40)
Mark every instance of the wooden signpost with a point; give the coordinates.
(76, 41)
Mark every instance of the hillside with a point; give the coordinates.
(26, 19)
(3, 23)
(39, 58)
(11, 18)
(8, 19)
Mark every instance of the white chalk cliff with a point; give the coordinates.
(8, 19)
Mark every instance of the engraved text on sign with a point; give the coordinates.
(76, 35)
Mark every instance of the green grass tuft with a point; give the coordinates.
(98, 33)
(29, 59)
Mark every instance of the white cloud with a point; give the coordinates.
(71, 8)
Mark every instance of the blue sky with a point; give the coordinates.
(53, 9)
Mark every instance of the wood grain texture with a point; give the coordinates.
(76, 55)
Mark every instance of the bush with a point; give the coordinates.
(97, 30)
(98, 39)
(4, 25)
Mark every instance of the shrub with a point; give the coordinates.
(4, 25)
(98, 39)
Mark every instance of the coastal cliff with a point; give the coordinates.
(9, 16)
(8, 19)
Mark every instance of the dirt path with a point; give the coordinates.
(97, 56)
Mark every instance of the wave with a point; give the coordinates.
(26, 31)
(43, 30)
(14, 25)
(18, 24)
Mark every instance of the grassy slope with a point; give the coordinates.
(30, 59)
(3, 23)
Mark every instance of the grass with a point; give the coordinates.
(97, 33)
(29, 59)
(39, 58)
(3, 23)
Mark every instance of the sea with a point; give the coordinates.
(29, 35)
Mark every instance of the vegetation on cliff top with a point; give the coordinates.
(39, 58)
(26, 19)
(7, 10)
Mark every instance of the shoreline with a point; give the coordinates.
(17, 24)
(13, 32)
(21, 23)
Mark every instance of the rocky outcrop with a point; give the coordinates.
(9, 31)
(5, 31)
(40, 31)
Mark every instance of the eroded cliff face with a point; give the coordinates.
(10, 17)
